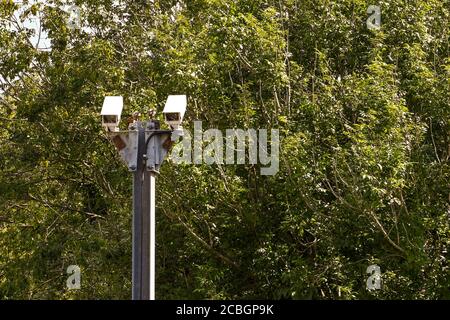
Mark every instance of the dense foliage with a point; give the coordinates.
(364, 117)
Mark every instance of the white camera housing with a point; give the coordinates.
(174, 110)
(111, 112)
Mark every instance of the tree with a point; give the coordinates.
(364, 158)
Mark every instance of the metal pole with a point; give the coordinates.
(144, 222)
(148, 237)
(143, 225)
(152, 176)
(137, 216)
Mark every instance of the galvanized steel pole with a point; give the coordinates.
(138, 176)
(144, 226)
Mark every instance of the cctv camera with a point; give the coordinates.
(111, 111)
(174, 110)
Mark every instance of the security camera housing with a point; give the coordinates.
(111, 112)
(174, 110)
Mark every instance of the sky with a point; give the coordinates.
(39, 39)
